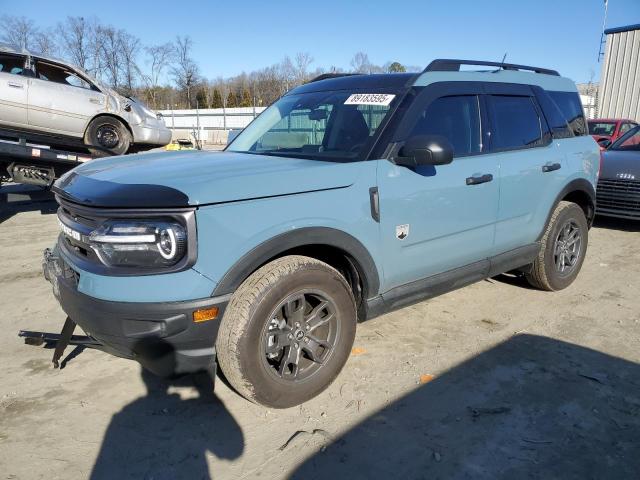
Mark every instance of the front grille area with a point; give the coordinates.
(618, 197)
(83, 221)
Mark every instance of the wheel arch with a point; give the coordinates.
(579, 191)
(337, 248)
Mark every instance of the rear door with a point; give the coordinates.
(13, 90)
(530, 164)
(433, 218)
(62, 101)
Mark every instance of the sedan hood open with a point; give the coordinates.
(192, 178)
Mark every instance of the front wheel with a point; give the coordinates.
(287, 332)
(107, 136)
(564, 246)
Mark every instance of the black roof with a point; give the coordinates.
(350, 82)
(628, 28)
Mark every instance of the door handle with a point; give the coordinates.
(15, 85)
(478, 179)
(97, 101)
(550, 167)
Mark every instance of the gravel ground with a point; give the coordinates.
(496, 380)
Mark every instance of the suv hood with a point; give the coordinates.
(192, 178)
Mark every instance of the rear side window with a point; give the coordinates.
(602, 128)
(11, 64)
(571, 107)
(457, 118)
(555, 118)
(515, 122)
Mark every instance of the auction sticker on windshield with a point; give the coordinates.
(383, 99)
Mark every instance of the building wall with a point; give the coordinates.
(619, 93)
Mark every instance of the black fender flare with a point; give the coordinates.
(577, 185)
(302, 237)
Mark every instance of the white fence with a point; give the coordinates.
(209, 125)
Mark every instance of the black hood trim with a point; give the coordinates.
(100, 193)
(86, 191)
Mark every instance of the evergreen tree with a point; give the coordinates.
(201, 98)
(246, 98)
(397, 67)
(231, 100)
(216, 99)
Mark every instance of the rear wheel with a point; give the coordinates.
(564, 246)
(287, 332)
(107, 136)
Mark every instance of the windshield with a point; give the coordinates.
(330, 125)
(602, 128)
(629, 141)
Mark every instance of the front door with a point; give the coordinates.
(60, 101)
(13, 91)
(437, 218)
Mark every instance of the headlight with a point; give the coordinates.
(133, 243)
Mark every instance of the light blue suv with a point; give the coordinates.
(351, 196)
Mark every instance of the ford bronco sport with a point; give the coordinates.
(349, 197)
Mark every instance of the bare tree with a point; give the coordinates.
(185, 72)
(129, 50)
(302, 62)
(80, 39)
(18, 31)
(159, 57)
(110, 54)
(45, 42)
(360, 63)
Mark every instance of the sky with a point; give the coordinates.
(234, 36)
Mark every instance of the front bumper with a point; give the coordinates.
(159, 335)
(151, 135)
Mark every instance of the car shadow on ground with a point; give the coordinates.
(15, 199)
(532, 407)
(620, 224)
(162, 436)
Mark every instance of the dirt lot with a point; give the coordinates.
(493, 381)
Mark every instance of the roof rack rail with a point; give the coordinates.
(326, 76)
(453, 65)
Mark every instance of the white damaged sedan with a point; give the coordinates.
(48, 96)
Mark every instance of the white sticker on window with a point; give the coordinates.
(382, 99)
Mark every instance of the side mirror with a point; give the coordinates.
(425, 150)
(605, 143)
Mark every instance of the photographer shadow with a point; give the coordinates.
(163, 436)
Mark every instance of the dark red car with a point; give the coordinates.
(605, 131)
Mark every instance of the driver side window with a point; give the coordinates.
(457, 118)
(58, 74)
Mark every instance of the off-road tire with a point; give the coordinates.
(238, 345)
(95, 131)
(543, 273)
